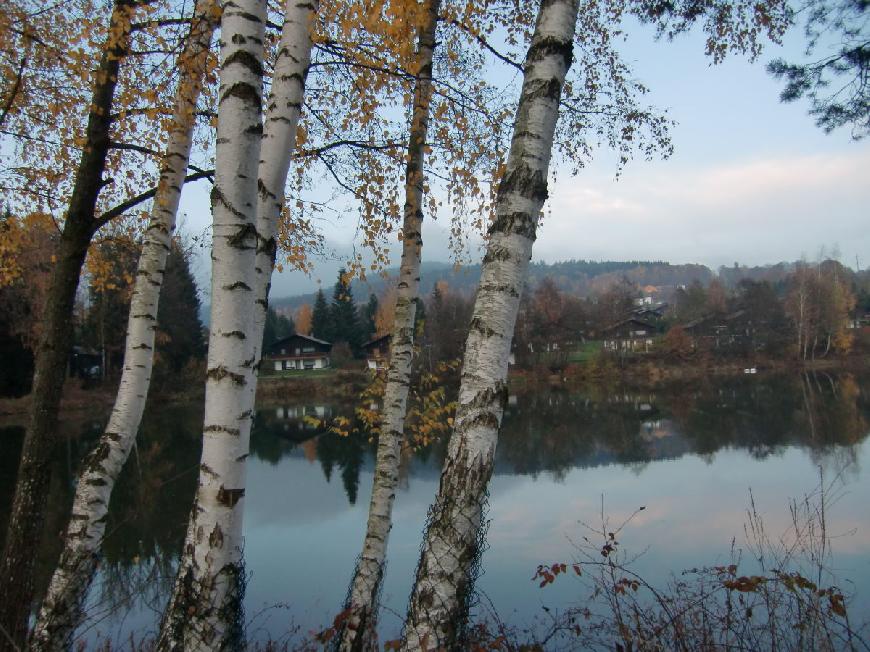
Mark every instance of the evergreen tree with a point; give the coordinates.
(179, 329)
(369, 314)
(277, 327)
(343, 315)
(321, 320)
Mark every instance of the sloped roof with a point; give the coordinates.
(376, 340)
(299, 335)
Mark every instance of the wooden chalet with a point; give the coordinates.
(298, 352)
(721, 331)
(631, 335)
(377, 352)
(652, 314)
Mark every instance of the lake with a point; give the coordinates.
(689, 454)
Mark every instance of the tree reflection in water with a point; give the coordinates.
(545, 431)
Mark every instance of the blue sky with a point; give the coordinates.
(752, 180)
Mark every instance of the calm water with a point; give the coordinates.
(689, 454)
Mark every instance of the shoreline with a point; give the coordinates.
(349, 383)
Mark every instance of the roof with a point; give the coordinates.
(301, 336)
(635, 320)
(729, 317)
(376, 340)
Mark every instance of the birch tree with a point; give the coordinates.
(279, 139)
(207, 565)
(359, 630)
(62, 607)
(209, 586)
(28, 505)
(77, 157)
(452, 542)
(450, 546)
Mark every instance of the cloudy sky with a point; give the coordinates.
(751, 180)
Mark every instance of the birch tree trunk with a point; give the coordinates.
(61, 610)
(31, 490)
(359, 629)
(452, 543)
(204, 611)
(279, 140)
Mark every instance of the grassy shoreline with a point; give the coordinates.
(349, 383)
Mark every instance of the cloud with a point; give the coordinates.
(756, 211)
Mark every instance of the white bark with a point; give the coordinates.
(61, 610)
(279, 140)
(451, 546)
(359, 631)
(204, 612)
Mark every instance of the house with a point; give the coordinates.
(721, 331)
(85, 363)
(631, 335)
(298, 352)
(377, 352)
(651, 313)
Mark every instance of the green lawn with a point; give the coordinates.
(585, 352)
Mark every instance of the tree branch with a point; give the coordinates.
(126, 205)
(133, 147)
(483, 43)
(15, 88)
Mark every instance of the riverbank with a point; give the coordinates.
(79, 402)
(347, 384)
(643, 370)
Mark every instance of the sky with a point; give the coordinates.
(751, 180)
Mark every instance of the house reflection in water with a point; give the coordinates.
(287, 419)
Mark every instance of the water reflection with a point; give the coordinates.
(311, 483)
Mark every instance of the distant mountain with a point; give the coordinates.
(579, 277)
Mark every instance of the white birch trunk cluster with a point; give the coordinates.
(451, 547)
(204, 612)
(359, 631)
(205, 608)
(279, 140)
(62, 606)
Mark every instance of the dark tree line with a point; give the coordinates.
(101, 316)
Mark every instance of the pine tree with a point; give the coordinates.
(343, 315)
(276, 327)
(368, 319)
(321, 320)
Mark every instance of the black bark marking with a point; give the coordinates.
(218, 197)
(244, 92)
(495, 253)
(246, 232)
(235, 432)
(237, 334)
(230, 497)
(548, 89)
(238, 285)
(247, 60)
(268, 247)
(500, 288)
(216, 538)
(221, 372)
(551, 46)
(478, 325)
(523, 180)
(264, 191)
